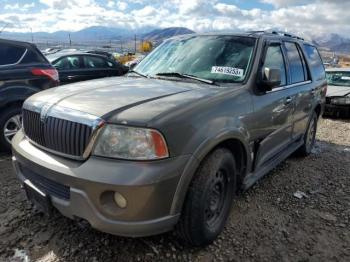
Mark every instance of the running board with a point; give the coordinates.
(251, 178)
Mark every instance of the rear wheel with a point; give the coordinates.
(209, 199)
(309, 137)
(10, 123)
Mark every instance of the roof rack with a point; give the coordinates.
(275, 32)
(286, 34)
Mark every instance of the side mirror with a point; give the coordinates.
(271, 78)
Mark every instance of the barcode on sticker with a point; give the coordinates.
(226, 70)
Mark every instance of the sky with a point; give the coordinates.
(298, 16)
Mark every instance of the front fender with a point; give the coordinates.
(202, 151)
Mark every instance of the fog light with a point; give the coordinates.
(120, 200)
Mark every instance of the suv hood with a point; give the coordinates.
(338, 91)
(107, 96)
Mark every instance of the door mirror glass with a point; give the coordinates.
(271, 78)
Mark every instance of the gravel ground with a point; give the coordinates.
(267, 223)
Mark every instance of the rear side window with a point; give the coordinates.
(32, 57)
(274, 59)
(316, 64)
(297, 64)
(10, 54)
(94, 62)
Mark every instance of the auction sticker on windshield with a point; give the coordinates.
(226, 70)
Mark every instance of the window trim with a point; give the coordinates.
(277, 89)
(19, 61)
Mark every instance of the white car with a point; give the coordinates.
(338, 93)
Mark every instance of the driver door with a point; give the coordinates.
(273, 110)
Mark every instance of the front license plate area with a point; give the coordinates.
(40, 200)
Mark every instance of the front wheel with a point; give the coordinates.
(209, 198)
(10, 124)
(309, 137)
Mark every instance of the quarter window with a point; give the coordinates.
(316, 63)
(10, 54)
(274, 59)
(296, 63)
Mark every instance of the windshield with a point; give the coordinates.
(215, 58)
(338, 78)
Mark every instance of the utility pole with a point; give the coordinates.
(135, 45)
(70, 41)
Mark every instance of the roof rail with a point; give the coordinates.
(276, 32)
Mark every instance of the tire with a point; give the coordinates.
(209, 199)
(7, 121)
(309, 137)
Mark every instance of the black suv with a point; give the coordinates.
(23, 72)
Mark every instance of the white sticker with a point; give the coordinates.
(345, 78)
(226, 70)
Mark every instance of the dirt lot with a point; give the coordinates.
(268, 222)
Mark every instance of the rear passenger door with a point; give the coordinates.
(300, 88)
(97, 67)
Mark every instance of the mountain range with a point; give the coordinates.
(330, 42)
(99, 33)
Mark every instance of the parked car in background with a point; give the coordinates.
(80, 66)
(23, 71)
(169, 146)
(131, 64)
(338, 93)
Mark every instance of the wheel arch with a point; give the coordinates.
(318, 110)
(234, 141)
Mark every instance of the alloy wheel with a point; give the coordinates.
(12, 126)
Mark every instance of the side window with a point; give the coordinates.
(10, 54)
(32, 57)
(94, 62)
(316, 64)
(296, 63)
(68, 62)
(274, 59)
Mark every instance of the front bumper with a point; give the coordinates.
(149, 188)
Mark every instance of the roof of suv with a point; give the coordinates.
(15, 42)
(256, 34)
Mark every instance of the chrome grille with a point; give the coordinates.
(59, 135)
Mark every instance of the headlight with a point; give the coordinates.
(130, 143)
(341, 100)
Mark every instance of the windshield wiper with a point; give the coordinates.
(176, 74)
(138, 73)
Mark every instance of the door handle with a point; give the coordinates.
(288, 100)
(313, 91)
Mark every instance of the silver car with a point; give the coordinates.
(338, 93)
